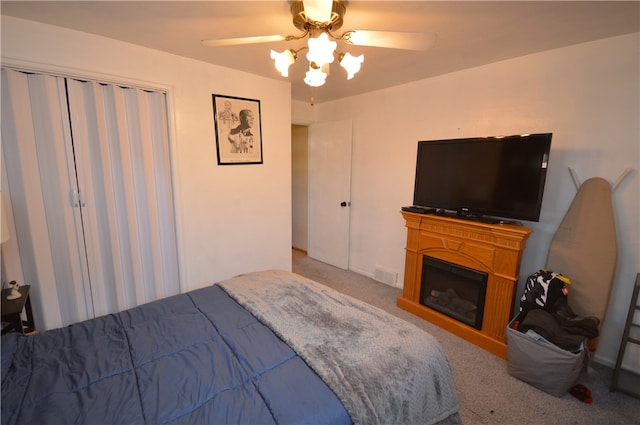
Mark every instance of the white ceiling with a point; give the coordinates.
(470, 33)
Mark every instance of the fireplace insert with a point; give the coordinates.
(456, 291)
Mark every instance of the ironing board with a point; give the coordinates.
(584, 249)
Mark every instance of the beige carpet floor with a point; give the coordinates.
(487, 393)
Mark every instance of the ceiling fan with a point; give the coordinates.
(319, 20)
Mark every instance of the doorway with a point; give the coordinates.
(299, 187)
(321, 191)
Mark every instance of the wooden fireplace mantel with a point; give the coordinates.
(495, 249)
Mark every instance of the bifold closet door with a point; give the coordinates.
(121, 148)
(87, 170)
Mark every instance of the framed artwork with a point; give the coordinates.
(238, 130)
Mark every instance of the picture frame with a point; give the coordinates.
(238, 129)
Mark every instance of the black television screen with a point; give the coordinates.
(489, 176)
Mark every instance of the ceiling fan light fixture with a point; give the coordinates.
(283, 60)
(318, 10)
(351, 63)
(321, 49)
(319, 21)
(315, 77)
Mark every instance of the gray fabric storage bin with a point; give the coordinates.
(543, 364)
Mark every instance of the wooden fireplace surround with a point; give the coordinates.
(495, 249)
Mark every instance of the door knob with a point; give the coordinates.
(344, 203)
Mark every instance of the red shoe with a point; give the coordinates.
(581, 392)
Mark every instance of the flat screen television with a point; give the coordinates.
(483, 177)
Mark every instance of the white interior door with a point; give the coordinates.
(330, 192)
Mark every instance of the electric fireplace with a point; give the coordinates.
(494, 249)
(453, 290)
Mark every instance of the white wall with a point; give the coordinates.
(231, 219)
(587, 95)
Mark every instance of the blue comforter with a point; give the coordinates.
(196, 358)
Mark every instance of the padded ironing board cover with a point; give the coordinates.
(584, 248)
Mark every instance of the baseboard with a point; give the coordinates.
(372, 276)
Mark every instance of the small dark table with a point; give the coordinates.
(12, 309)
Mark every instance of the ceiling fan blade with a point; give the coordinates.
(393, 40)
(215, 42)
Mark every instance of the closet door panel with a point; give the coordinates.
(165, 231)
(120, 177)
(35, 134)
(91, 147)
(59, 188)
(147, 111)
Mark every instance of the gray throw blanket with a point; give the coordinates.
(383, 369)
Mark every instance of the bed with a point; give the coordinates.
(260, 348)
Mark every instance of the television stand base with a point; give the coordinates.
(483, 218)
(478, 218)
(419, 210)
